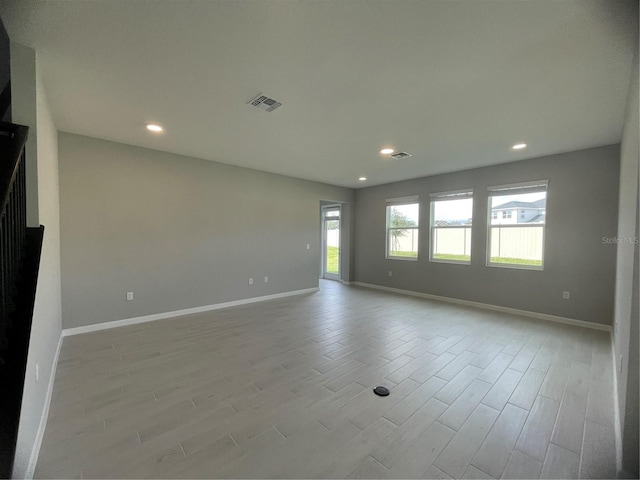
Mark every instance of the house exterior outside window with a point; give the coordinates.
(516, 236)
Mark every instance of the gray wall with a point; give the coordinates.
(178, 232)
(23, 95)
(30, 107)
(581, 209)
(626, 296)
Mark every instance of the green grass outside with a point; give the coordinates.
(505, 260)
(450, 256)
(517, 261)
(403, 254)
(333, 255)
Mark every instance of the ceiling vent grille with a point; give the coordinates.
(264, 103)
(400, 155)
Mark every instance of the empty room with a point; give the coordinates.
(319, 239)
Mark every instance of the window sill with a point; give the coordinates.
(515, 266)
(406, 259)
(455, 262)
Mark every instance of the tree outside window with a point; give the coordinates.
(402, 231)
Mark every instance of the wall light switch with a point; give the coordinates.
(566, 295)
(250, 281)
(266, 279)
(390, 273)
(307, 246)
(129, 296)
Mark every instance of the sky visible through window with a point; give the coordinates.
(521, 197)
(460, 210)
(410, 211)
(453, 210)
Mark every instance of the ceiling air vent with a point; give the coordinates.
(264, 103)
(400, 155)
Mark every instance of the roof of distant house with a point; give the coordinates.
(536, 219)
(541, 203)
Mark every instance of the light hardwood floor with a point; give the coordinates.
(284, 389)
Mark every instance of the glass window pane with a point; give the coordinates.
(332, 244)
(404, 215)
(531, 206)
(333, 224)
(451, 230)
(402, 230)
(403, 242)
(514, 245)
(516, 235)
(453, 212)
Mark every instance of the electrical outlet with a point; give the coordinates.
(250, 281)
(266, 279)
(566, 295)
(37, 372)
(390, 273)
(129, 296)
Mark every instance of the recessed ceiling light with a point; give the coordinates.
(362, 179)
(152, 127)
(519, 146)
(386, 151)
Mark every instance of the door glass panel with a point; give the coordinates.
(333, 246)
(332, 241)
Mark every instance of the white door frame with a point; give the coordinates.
(323, 242)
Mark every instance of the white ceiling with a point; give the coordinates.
(455, 83)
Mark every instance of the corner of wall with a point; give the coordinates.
(625, 332)
(43, 202)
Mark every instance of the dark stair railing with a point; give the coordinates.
(20, 249)
(13, 226)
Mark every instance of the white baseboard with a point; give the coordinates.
(179, 313)
(35, 451)
(616, 410)
(33, 458)
(160, 316)
(487, 306)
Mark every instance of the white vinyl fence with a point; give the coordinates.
(405, 241)
(454, 240)
(517, 242)
(507, 241)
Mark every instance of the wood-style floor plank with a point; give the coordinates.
(284, 389)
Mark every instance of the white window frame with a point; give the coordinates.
(513, 189)
(445, 196)
(392, 202)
